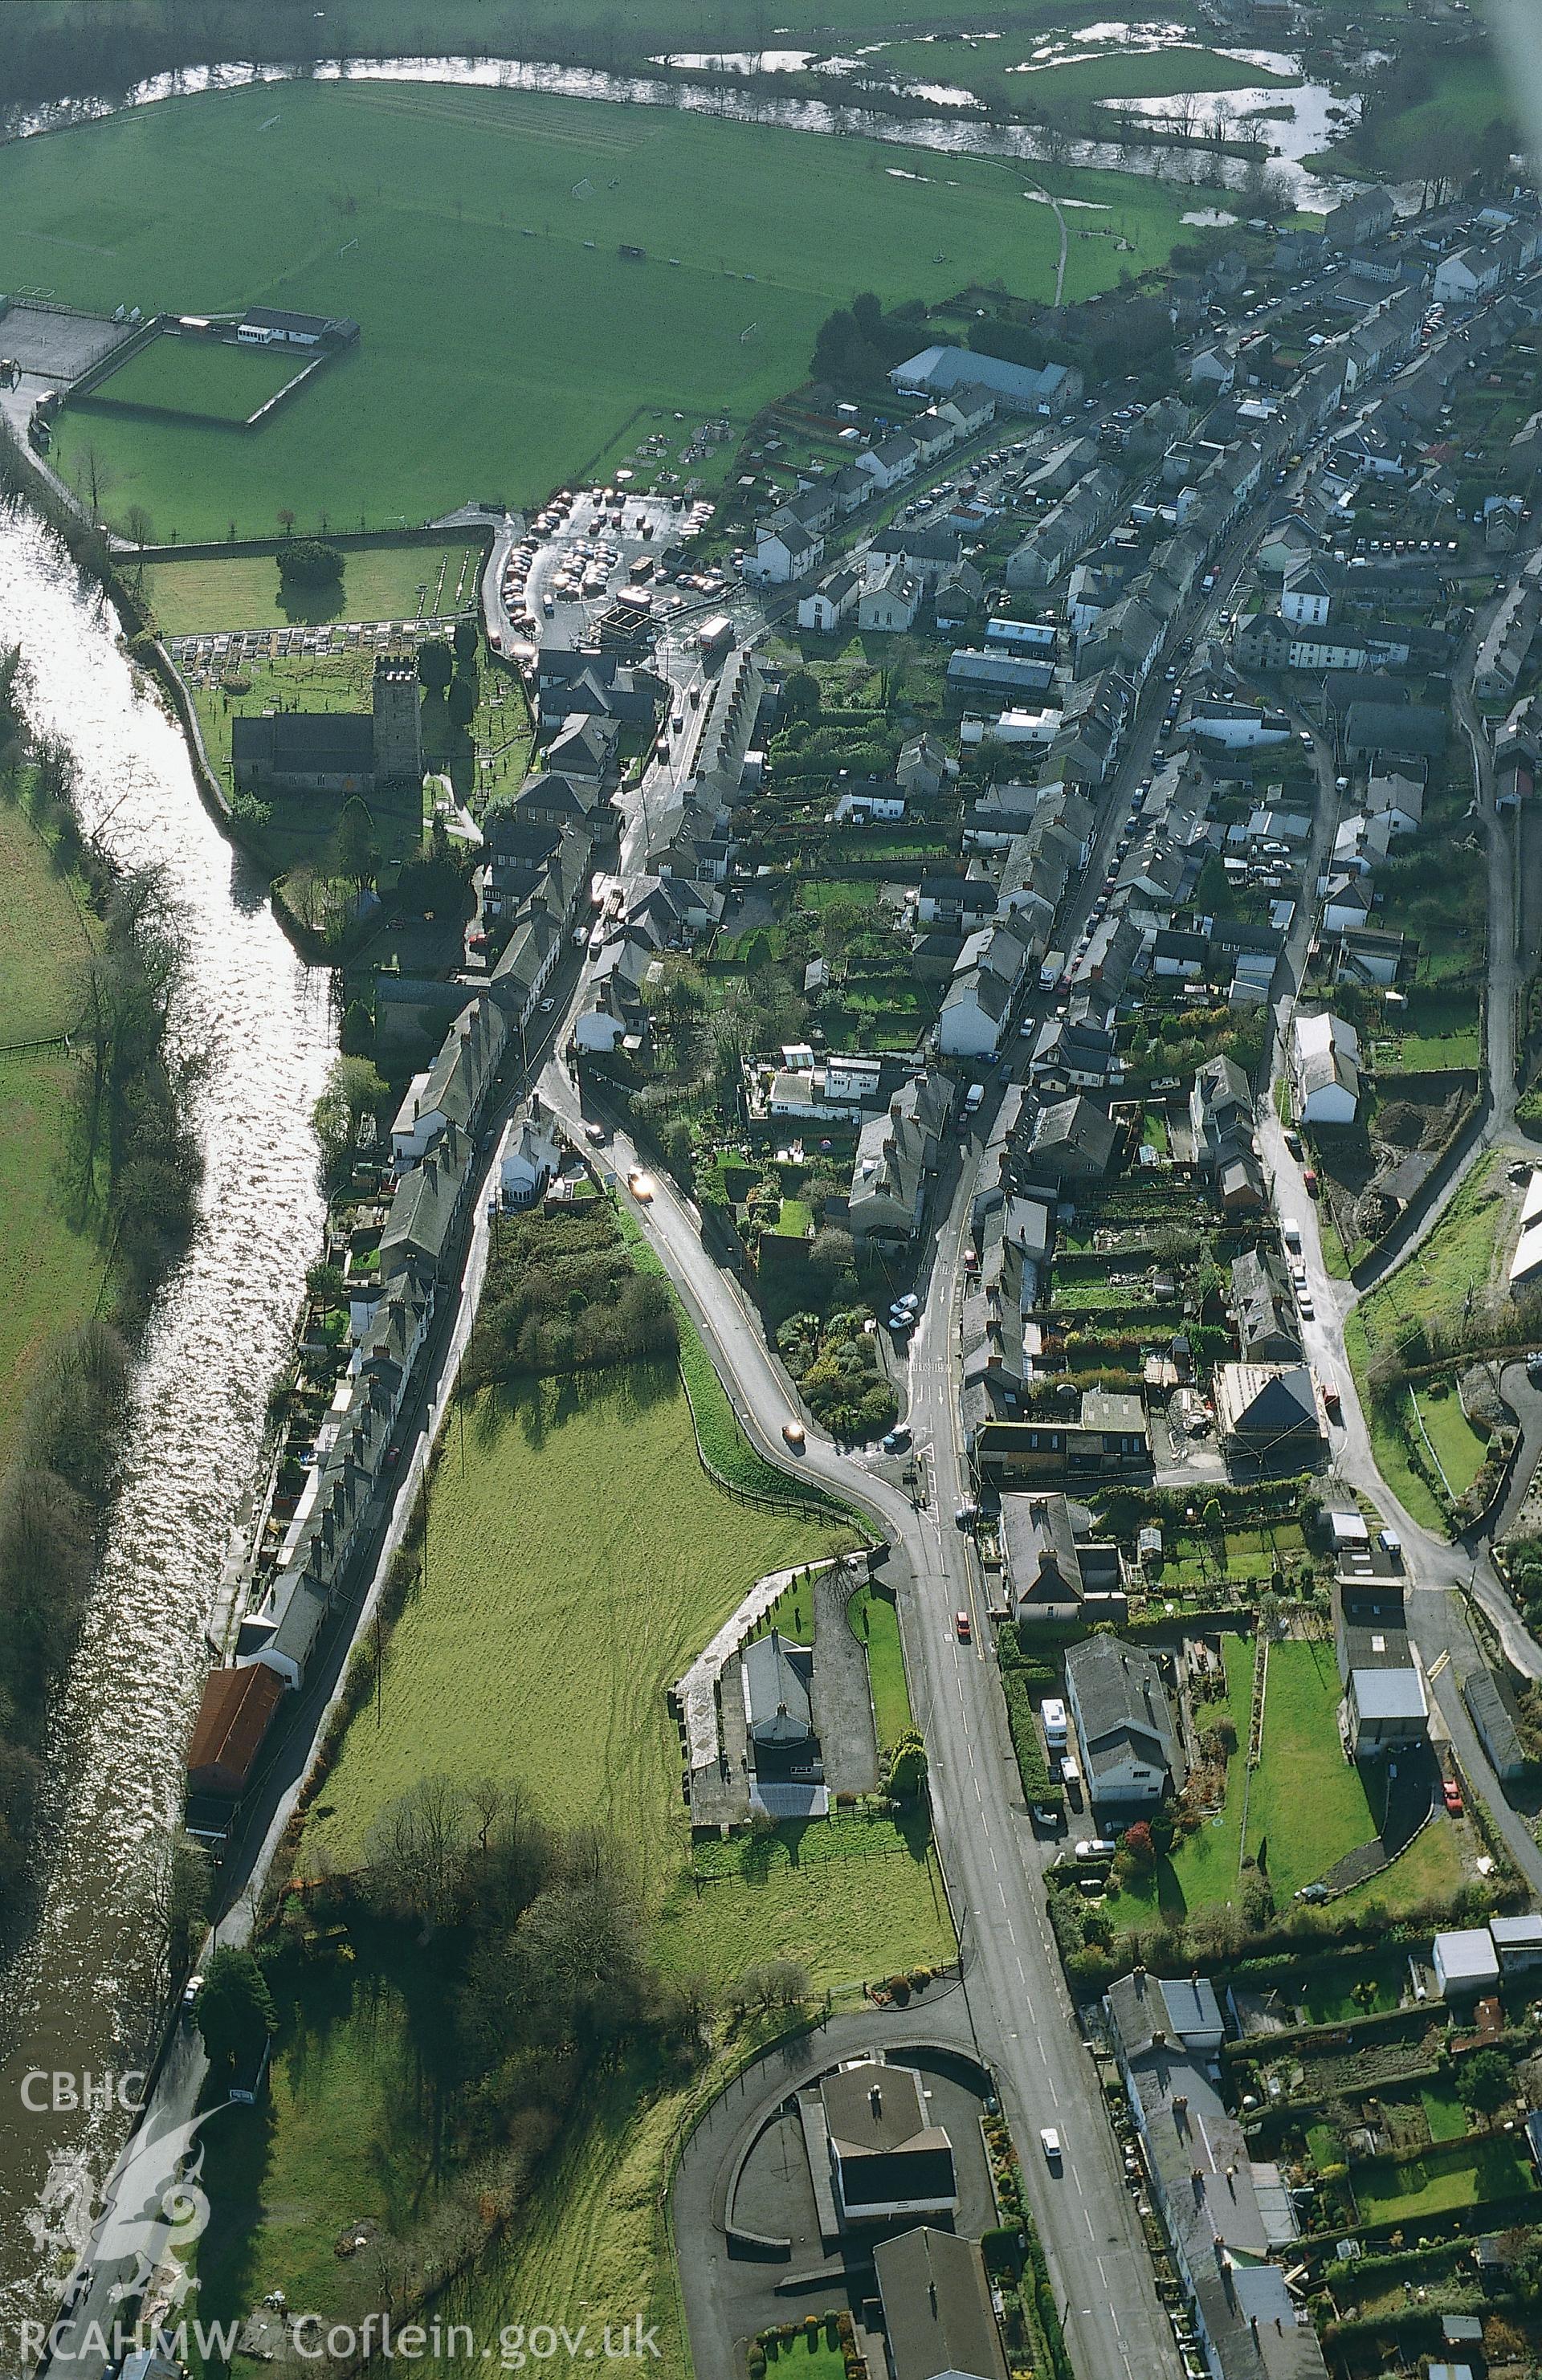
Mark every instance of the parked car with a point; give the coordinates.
(1096, 1847)
(1450, 1794)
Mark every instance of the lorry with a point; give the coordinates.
(716, 636)
(1050, 970)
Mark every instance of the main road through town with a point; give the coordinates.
(1020, 2008)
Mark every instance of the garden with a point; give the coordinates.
(1406, 1341)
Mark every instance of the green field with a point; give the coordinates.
(578, 1557)
(587, 1557)
(246, 28)
(200, 376)
(379, 582)
(50, 1273)
(1014, 73)
(491, 363)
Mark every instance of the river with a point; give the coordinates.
(949, 135)
(77, 1998)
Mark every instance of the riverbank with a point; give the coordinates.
(82, 1990)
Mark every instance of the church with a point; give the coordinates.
(336, 751)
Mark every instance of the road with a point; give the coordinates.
(1021, 2010)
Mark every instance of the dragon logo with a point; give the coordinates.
(152, 2210)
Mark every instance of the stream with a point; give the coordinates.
(76, 1996)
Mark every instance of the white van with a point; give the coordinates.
(1290, 1231)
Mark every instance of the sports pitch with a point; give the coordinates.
(474, 235)
(204, 379)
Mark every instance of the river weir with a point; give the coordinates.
(78, 1995)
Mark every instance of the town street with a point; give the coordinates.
(1018, 2001)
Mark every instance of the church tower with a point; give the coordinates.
(398, 721)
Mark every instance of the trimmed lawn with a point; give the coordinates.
(1203, 1867)
(1429, 1871)
(1325, 1994)
(207, 376)
(1447, 2118)
(587, 1557)
(876, 1621)
(1307, 1806)
(379, 582)
(1458, 1448)
(1468, 2176)
(447, 222)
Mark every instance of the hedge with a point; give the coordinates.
(1032, 1767)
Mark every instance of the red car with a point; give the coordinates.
(1452, 1794)
(961, 1623)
